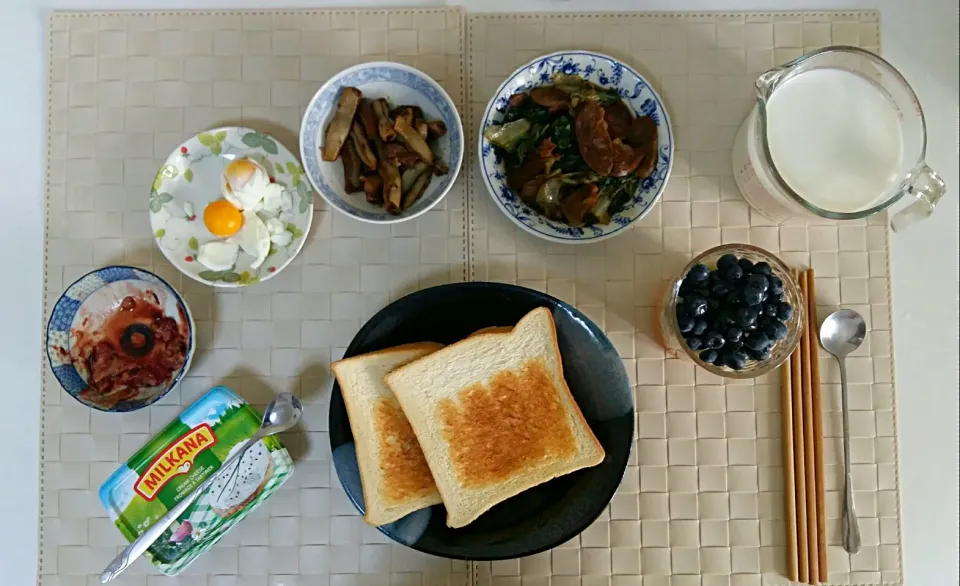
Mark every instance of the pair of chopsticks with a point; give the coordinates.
(803, 449)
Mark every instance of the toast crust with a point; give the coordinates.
(492, 330)
(514, 423)
(402, 464)
(426, 346)
(374, 485)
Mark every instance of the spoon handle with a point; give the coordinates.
(142, 543)
(851, 527)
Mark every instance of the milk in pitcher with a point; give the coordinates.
(835, 137)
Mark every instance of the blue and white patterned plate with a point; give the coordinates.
(604, 71)
(82, 309)
(400, 85)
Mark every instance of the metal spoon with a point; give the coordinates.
(842, 333)
(281, 414)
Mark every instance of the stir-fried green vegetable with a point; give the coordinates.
(537, 142)
(507, 136)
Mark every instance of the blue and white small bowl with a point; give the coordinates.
(84, 305)
(400, 85)
(604, 71)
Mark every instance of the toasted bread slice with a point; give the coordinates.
(494, 416)
(395, 477)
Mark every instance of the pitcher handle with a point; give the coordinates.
(926, 187)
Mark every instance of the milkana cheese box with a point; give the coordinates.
(177, 460)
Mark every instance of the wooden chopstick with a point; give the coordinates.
(799, 469)
(817, 422)
(789, 485)
(810, 481)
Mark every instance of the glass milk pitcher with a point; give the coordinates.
(837, 133)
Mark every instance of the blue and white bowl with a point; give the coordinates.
(604, 71)
(400, 85)
(83, 307)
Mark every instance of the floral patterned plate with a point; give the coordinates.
(191, 178)
(604, 71)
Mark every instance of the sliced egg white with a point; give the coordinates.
(273, 199)
(253, 238)
(278, 232)
(282, 238)
(218, 255)
(274, 226)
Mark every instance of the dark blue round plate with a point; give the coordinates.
(544, 516)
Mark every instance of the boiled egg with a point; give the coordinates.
(222, 218)
(218, 255)
(253, 238)
(245, 183)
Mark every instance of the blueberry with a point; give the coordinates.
(698, 273)
(734, 334)
(737, 360)
(699, 326)
(776, 285)
(733, 274)
(685, 323)
(770, 309)
(714, 340)
(747, 265)
(759, 355)
(713, 304)
(776, 330)
(784, 311)
(762, 268)
(708, 356)
(750, 328)
(726, 261)
(694, 343)
(695, 305)
(744, 316)
(724, 319)
(758, 341)
(756, 281)
(686, 288)
(732, 299)
(720, 288)
(752, 296)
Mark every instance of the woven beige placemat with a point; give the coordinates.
(124, 90)
(702, 499)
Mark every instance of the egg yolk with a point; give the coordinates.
(240, 172)
(221, 218)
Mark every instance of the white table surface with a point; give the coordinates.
(919, 37)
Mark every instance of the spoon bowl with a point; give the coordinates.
(283, 413)
(842, 332)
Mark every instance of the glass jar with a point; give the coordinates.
(673, 341)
